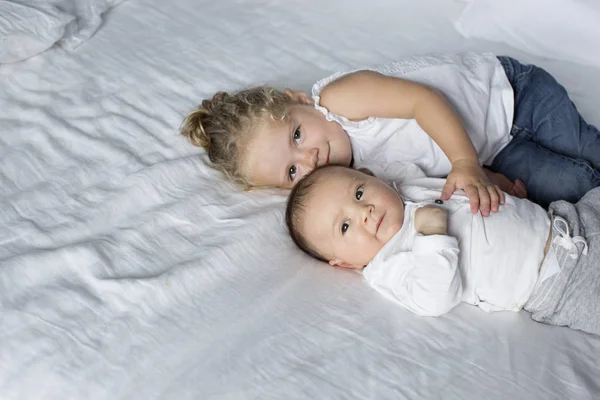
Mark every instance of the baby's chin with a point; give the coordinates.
(390, 231)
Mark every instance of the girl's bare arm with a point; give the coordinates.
(364, 94)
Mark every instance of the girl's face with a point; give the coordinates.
(282, 152)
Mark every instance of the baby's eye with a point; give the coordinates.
(345, 227)
(359, 193)
(297, 135)
(292, 172)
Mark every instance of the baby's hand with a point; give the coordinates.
(431, 220)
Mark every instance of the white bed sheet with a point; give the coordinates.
(130, 270)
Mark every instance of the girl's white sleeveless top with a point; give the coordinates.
(474, 84)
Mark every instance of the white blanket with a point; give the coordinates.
(130, 270)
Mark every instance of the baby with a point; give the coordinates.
(429, 255)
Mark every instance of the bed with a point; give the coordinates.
(129, 269)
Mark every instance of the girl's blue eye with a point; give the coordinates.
(292, 172)
(345, 227)
(297, 135)
(359, 193)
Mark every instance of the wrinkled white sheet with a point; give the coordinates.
(88, 18)
(27, 31)
(29, 27)
(130, 270)
(561, 29)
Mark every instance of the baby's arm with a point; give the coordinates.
(435, 282)
(431, 220)
(362, 94)
(427, 279)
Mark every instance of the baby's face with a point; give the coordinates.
(350, 216)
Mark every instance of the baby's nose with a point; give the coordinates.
(368, 214)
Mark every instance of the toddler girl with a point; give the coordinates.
(515, 119)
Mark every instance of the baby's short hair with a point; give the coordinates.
(296, 208)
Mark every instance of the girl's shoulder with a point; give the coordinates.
(351, 98)
(408, 65)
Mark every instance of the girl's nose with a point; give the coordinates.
(310, 158)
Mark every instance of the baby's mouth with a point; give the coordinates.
(379, 224)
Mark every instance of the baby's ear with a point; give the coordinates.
(344, 264)
(299, 96)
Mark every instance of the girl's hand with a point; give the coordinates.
(470, 177)
(516, 188)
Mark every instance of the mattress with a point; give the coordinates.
(129, 269)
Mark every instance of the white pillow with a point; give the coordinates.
(561, 29)
(26, 31)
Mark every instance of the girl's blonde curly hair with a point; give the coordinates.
(224, 125)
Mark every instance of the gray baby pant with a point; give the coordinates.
(572, 296)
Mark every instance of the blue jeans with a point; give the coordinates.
(553, 150)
